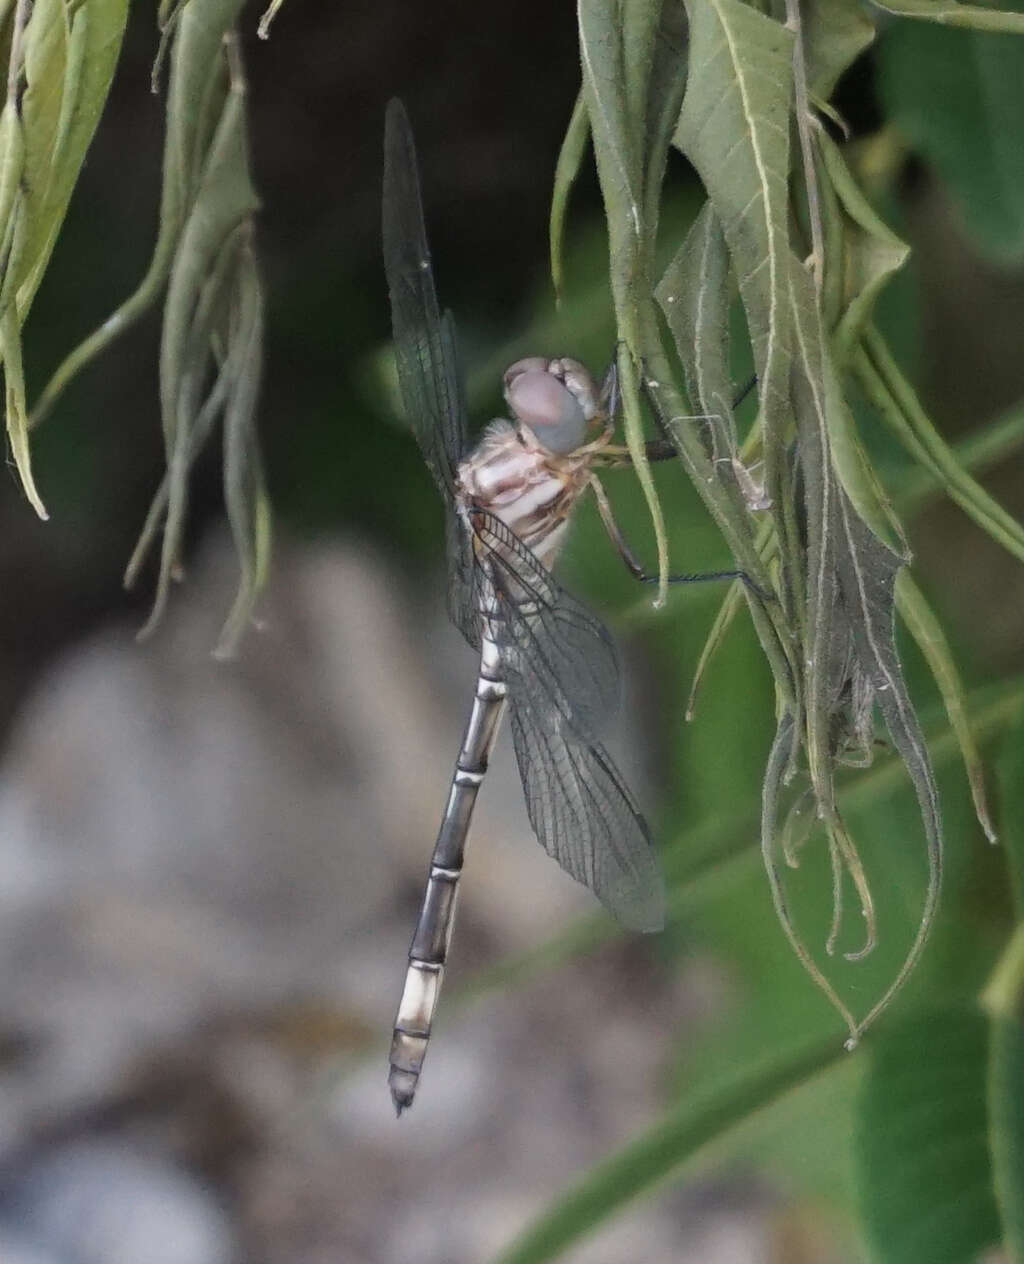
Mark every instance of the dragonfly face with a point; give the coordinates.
(557, 399)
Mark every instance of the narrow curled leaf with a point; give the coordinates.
(897, 404)
(213, 287)
(926, 630)
(871, 253)
(570, 159)
(867, 570)
(949, 13)
(195, 97)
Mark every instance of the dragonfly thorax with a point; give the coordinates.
(512, 475)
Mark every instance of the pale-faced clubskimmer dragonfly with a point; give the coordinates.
(543, 657)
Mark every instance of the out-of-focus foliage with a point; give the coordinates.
(60, 60)
(204, 259)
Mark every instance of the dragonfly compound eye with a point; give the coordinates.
(541, 401)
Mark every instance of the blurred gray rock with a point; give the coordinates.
(210, 878)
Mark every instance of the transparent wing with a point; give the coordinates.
(425, 353)
(563, 680)
(545, 636)
(424, 345)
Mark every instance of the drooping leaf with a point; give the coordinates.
(94, 44)
(949, 13)
(867, 570)
(835, 34)
(924, 1171)
(198, 82)
(263, 30)
(871, 253)
(245, 494)
(899, 407)
(210, 288)
(570, 159)
(926, 630)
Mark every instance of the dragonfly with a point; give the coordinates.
(544, 658)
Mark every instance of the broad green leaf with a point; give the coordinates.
(926, 630)
(570, 159)
(666, 84)
(694, 294)
(958, 97)
(46, 61)
(734, 128)
(949, 13)
(897, 404)
(836, 32)
(93, 48)
(655, 1156)
(871, 253)
(924, 1172)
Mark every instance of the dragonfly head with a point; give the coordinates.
(556, 399)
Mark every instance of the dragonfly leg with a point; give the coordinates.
(636, 569)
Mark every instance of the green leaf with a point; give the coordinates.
(94, 45)
(948, 13)
(734, 128)
(871, 253)
(836, 32)
(195, 99)
(244, 491)
(867, 573)
(570, 159)
(926, 630)
(203, 282)
(897, 404)
(654, 1156)
(1006, 1120)
(958, 97)
(924, 1173)
(612, 94)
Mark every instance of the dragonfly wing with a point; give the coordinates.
(563, 680)
(584, 815)
(428, 371)
(546, 637)
(426, 356)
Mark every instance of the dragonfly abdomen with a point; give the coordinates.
(429, 950)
